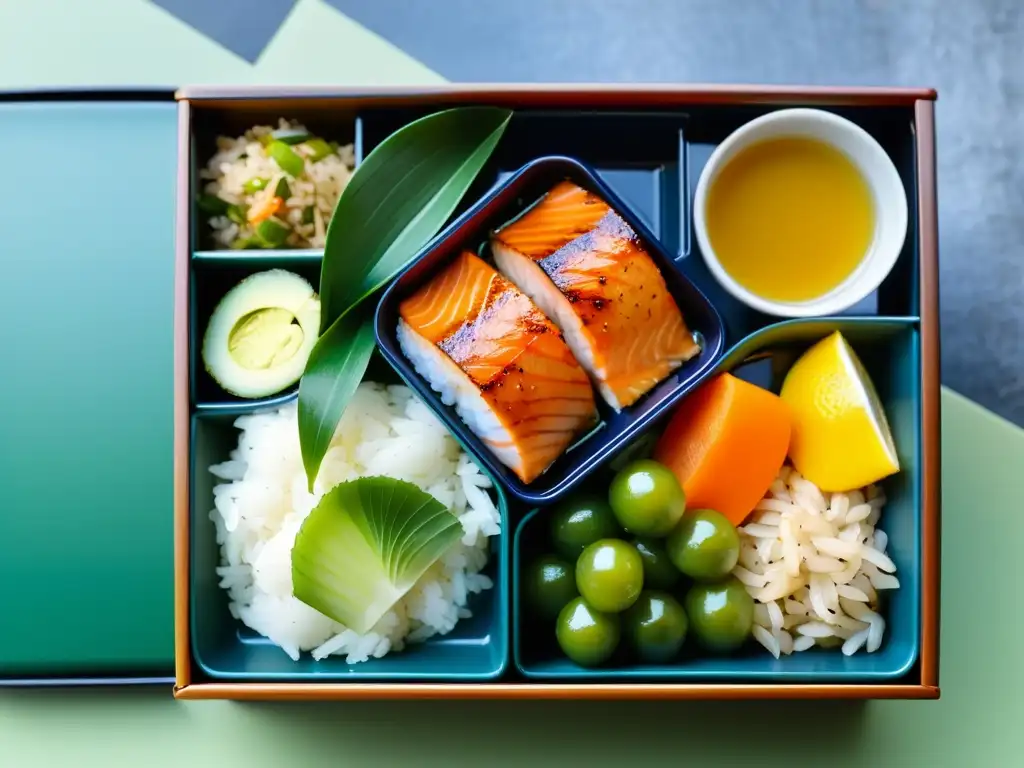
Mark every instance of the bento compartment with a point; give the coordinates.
(267, 177)
(224, 647)
(263, 330)
(891, 127)
(638, 154)
(890, 353)
(469, 235)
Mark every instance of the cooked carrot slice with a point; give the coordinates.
(726, 444)
(264, 209)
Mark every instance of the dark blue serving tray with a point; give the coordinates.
(614, 431)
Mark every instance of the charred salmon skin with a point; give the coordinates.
(584, 266)
(490, 352)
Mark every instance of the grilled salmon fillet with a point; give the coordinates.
(489, 351)
(584, 266)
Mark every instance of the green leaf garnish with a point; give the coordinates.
(395, 202)
(333, 372)
(365, 545)
(399, 197)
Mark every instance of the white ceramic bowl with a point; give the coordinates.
(890, 201)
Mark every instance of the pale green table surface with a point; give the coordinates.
(976, 723)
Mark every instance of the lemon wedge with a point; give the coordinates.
(841, 438)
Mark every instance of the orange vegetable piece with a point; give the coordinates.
(726, 443)
(264, 209)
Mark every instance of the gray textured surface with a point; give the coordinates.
(972, 51)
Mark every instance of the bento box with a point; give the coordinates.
(556, 392)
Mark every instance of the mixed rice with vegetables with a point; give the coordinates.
(274, 187)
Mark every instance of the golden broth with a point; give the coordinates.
(790, 218)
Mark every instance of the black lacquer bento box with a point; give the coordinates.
(642, 149)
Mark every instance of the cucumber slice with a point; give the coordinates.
(261, 334)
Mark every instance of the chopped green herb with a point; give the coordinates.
(291, 136)
(283, 190)
(272, 231)
(255, 184)
(318, 149)
(364, 546)
(285, 157)
(236, 213)
(212, 205)
(246, 243)
(307, 214)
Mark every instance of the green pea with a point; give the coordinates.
(659, 572)
(580, 521)
(656, 626)
(721, 615)
(610, 575)
(647, 498)
(705, 545)
(548, 585)
(586, 635)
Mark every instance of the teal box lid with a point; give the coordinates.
(86, 561)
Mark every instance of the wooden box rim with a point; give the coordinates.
(564, 95)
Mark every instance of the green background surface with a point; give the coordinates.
(977, 721)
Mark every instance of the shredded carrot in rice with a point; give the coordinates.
(264, 209)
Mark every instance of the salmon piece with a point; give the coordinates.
(487, 349)
(586, 269)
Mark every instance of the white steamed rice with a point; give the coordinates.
(814, 564)
(263, 500)
(318, 188)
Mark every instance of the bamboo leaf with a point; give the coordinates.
(398, 199)
(335, 367)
